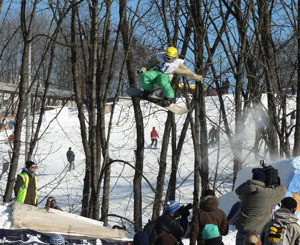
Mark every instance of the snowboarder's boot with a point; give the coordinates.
(166, 102)
(145, 94)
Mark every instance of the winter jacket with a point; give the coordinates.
(209, 213)
(70, 155)
(257, 201)
(166, 223)
(289, 219)
(182, 70)
(154, 134)
(31, 189)
(214, 241)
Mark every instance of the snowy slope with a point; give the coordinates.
(66, 186)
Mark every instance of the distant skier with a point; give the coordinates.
(160, 70)
(154, 136)
(71, 159)
(214, 136)
(26, 185)
(4, 169)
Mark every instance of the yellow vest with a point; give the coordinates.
(23, 189)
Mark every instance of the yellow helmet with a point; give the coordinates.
(171, 52)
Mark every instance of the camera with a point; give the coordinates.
(184, 210)
(272, 178)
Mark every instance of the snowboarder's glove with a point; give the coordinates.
(142, 70)
(200, 78)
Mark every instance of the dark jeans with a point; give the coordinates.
(240, 237)
(154, 141)
(71, 165)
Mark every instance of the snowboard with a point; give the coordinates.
(177, 109)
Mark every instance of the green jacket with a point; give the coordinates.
(257, 201)
(289, 219)
(26, 188)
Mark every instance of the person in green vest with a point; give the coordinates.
(26, 185)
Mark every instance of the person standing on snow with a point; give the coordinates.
(286, 215)
(174, 221)
(154, 136)
(257, 200)
(160, 70)
(26, 185)
(208, 213)
(71, 159)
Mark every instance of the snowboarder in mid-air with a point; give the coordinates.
(160, 70)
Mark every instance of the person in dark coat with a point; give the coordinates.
(71, 159)
(257, 200)
(173, 221)
(207, 213)
(141, 238)
(26, 185)
(211, 235)
(214, 136)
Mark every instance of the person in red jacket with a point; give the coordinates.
(154, 136)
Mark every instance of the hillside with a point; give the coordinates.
(66, 186)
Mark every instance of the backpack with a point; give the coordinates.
(150, 229)
(277, 234)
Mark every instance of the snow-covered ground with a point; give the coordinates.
(66, 186)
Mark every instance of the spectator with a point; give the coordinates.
(214, 136)
(286, 216)
(154, 136)
(208, 213)
(4, 169)
(257, 201)
(57, 239)
(211, 235)
(293, 118)
(252, 239)
(26, 185)
(12, 138)
(225, 86)
(51, 203)
(141, 238)
(71, 159)
(173, 221)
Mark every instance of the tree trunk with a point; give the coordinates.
(137, 182)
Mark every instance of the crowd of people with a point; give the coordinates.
(255, 222)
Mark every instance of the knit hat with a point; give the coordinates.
(210, 231)
(28, 164)
(289, 203)
(57, 239)
(172, 206)
(208, 192)
(141, 238)
(258, 174)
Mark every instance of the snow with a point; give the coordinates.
(63, 132)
